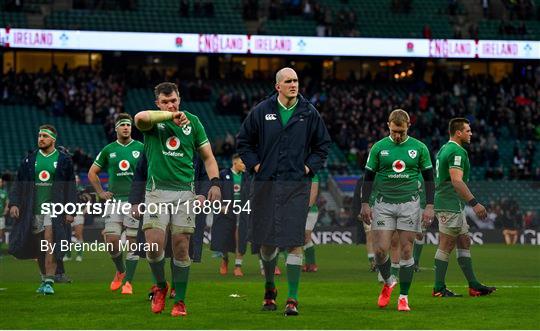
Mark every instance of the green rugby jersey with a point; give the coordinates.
(451, 155)
(314, 208)
(286, 113)
(120, 162)
(398, 168)
(45, 169)
(3, 198)
(237, 184)
(170, 150)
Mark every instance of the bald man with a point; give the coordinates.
(283, 142)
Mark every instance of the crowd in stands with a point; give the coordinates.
(342, 23)
(85, 95)
(356, 112)
(505, 214)
(105, 4)
(521, 9)
(200, 9)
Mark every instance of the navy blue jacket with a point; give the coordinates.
(280, 189)
(22, 195)
(224, 225)
(281, 150)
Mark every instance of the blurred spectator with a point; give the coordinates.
(529, 221)
(452, 7)
(426, 32)
(510, 227)
(485, 8)
(13, 5)
(184, 8)
(307, 12)
(401, 6)
(197, 8)
(250, 9)
(275, 10)
(473, 31)
(208, 8)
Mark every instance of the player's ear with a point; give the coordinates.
(157, 102)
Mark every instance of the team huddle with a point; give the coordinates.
(282, 145)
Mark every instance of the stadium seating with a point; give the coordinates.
(14, 20)
(374, 19)
(149, 17)
(524, 192)
(19, 129)
(489, 29)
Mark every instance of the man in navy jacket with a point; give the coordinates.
(284, 141)
(229, 228)
(44, 176)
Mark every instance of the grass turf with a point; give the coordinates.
(342, 295)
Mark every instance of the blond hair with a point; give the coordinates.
(398, 117)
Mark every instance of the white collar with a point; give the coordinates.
(47, 155)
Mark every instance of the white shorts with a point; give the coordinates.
(40, 222)
(311, 220)
(452, 224)
(168, 207)
(397, 216)
(2, 222)
(114, 222)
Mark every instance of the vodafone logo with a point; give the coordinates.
(236, 188)
(398, 166)
(44, 176)
(173, 143)
(123, 165)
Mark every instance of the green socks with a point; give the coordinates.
(417, 251)
(384, 268)
(309, 251)
(158, 270)
(465, 263)
(131, 265)
(119, 262)
(406, 272)
(441, 265)
(394, 269)
(269, 266)
(294, 269)
(180, 273)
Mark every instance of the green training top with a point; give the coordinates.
(451, 155)
(237, 185)
(285, 112)
(3, 198)
(120, 162)
(398, 168)
(314, 208)
(170, 150)
(45, 169)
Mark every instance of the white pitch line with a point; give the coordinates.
(497, 286)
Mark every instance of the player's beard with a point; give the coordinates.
(44, 147)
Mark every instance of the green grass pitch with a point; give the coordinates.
(342, 295)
